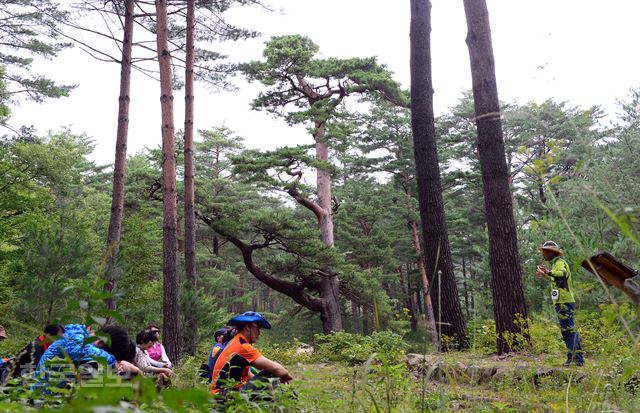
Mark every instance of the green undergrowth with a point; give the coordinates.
(353, 373)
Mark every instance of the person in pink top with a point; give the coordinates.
(157, 357)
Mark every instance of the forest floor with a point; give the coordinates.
(518, 383)
(446, 382)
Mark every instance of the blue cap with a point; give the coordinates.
(250, 317)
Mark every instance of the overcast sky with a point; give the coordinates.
(581, 51)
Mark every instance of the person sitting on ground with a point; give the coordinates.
(72, 345)
(157, 355)
(4, 362)
(3, 336)
(219, 337)
(145, 340)
(233, 363)
(123, 349)
(563, 300)
(27, 359)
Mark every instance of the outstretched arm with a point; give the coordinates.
(94, 352)
(164, 357)
(273, 367)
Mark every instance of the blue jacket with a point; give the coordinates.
(71, 345)
(212, 354)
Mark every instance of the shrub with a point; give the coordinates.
(355, 348)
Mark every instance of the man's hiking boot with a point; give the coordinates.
(577, 362)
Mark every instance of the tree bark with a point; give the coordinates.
(191, 338)
(444, 292)
(465, 287)
(428, 304)
(172, 337)
(354, 317)
(365, 321)
(406, 299)
(117, 196)
(504, 261)
(329, 284)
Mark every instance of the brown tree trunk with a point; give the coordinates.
(504, 261)
(465, 287)
(172, 337)
(444, 292)
(428, 304)
(117, 196)
(415, 239)
(365, 321)
(242, 284)
(216, 246)
(406, 299)
(354, 317)
(191, 337)
(329, 284)
(415, 300)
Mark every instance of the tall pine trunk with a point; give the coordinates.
(329, 284)
(117, 197)
(444, 291)
(428, 303)
(504, 261)
(171, 298)
(191, 335)
(415, 239)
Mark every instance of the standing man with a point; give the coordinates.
(562, 296)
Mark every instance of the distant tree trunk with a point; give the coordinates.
(473, 289)
(444, 292)
(406, 299)
(329, 284)
(365, 321)
(415, 299)
(428, 304)
(240, 292)
(465, 287)
(172, 337)
(415, 239)
(354, 317)
(117, 196)
(504, 261)
(191, 337)
(216, 246)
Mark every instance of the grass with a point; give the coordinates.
(522, 384)
(333, 382)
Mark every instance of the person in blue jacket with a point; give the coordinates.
(219, 337)
(3, 335)
(74, 346)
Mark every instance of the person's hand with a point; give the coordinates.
(167, 372)
(125, 367)
(286, 379)
(542, 271)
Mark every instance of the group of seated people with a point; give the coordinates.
(44, 358)
(234, 363)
